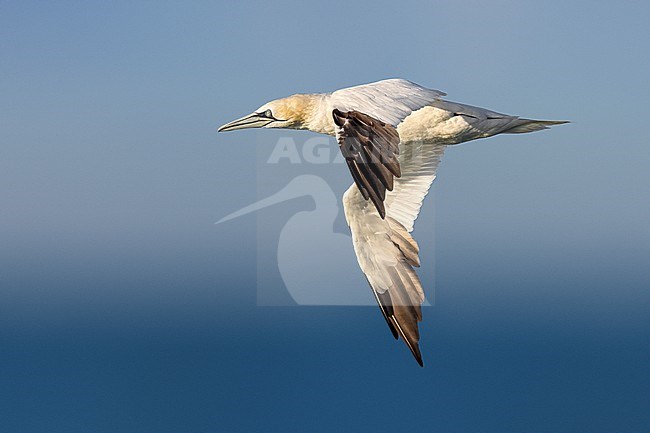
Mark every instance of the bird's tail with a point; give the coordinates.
(521, 126)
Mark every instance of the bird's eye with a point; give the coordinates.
(268, 114)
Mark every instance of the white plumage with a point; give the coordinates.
(389, 100)
(392, 134)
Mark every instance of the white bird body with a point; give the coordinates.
(392, 134)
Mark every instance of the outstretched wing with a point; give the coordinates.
(365, 117)
(386, 253)
(385, 250)
(389, 100)
(419, 161)
(370, 148)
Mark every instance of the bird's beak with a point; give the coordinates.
(254, 120)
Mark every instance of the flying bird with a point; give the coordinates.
(392, 134)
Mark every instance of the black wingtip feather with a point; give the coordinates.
(419, 360)
(413, 346)
(385, 308)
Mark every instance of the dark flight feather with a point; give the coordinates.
(370, 148)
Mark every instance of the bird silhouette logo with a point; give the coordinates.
(314, 261)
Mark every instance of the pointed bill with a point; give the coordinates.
(255, 120)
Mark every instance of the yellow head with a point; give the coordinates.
(293, 112)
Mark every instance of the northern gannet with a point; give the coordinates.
(392, 134)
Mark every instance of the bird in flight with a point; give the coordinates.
(392, 134)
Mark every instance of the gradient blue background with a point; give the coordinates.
(124, 308)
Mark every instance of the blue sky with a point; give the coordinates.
(124, 308)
